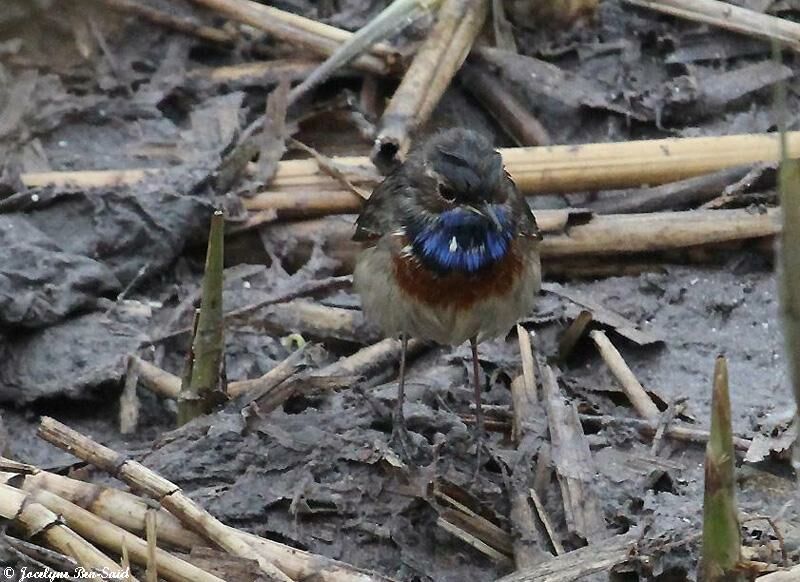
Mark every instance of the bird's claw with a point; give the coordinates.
(401, 438)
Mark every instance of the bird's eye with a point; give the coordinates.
(447, 193)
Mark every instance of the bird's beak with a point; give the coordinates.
(489, 212)
(486, 211)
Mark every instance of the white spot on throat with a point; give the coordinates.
(453, 245)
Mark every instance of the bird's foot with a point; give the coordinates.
(480, 442)
(401, 439)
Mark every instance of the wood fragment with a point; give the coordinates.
(152, 543)
(263, 73)
(573, 462)
(274, 134)
(528, 542)
(480, 528)
(664, 420)
(118, 507)
(128, 400)
(545, 519)
(460, 514)
(730, 17)
(571, 566)
(163, 491)
(637, 395)
(398, 15)
(371, 358)
(678, 195)
(185, 25)
(328, 166)
(111, 536)
(675, 431)
(471, 540)
(601, 314)
(629, 233)
(515, 119)
(36, 520)
(789, 182)
(543, 79)
(427, 78)
(573, 334)
(564, 168)
(303, 32)
(790, 575)
(257, 387)
(47, 560)
(296, 563)
(154, 378)
(303, 289)
(502, 28)
(604, 245)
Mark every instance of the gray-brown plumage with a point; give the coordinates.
(452, 249)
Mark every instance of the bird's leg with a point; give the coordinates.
(399, 430)
(476, 373)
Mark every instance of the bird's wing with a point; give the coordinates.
(381, 210)
(527, 222)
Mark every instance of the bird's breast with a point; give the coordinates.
(457, 289)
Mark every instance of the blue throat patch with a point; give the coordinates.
(463, 241)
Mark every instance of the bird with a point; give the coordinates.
(450, 253)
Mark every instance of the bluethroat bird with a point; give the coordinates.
(451, 252)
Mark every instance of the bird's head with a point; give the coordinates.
(461, 216)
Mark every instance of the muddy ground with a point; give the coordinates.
(86, 88)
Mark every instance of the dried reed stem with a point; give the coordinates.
(429, 75)
(730, 17)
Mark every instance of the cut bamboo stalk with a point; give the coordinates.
(366, 361)
(155, 379)
(304, 32)
(428, 76)
(169, 385)
(167, 493)
(36, 520)
(730, 17)
(640, 400)
(597, 166)
(110, 536)
(636, 233)
(296, 563)
(722, 544)
(613, 236)
(118, 507)
(565, 168)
